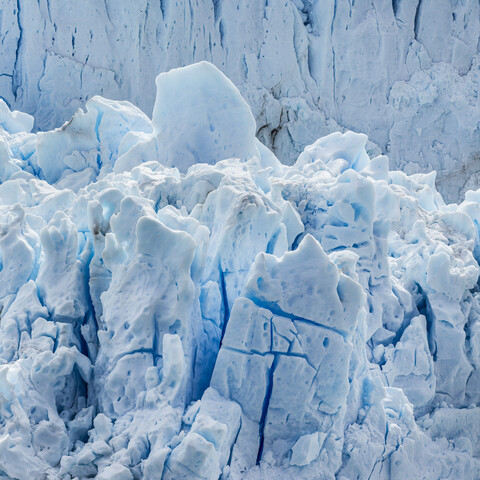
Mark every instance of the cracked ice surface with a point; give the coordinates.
(405, 71)
(176, 303)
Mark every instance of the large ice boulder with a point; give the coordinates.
(200, 117)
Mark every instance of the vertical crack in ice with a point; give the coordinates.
(334, 74)
(90, 307)
(17, 68)
(395, 7)
(425, 309)
(416, 21)
(226, 308)
(97, 133)
(266, 403)
(49, 11)
(216, 10)
(230, 456)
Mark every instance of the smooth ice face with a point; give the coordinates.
(14, 122)
(233, 318)
(200, 117)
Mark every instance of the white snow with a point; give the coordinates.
(177, 303)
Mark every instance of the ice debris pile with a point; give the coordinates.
(177, 304)
(405, 71)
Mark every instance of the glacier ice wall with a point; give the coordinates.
(234, 318)
(406, 71)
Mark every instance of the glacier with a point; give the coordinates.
(176, 303)
(405, 71)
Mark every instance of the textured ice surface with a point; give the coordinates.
(405, 71)
(167, 313)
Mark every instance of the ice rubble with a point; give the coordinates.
(405, 71)
(235, 318)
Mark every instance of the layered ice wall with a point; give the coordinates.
(232, 318)
(405, 71)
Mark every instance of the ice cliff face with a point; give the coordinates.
(406, 71)
(235, 318)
